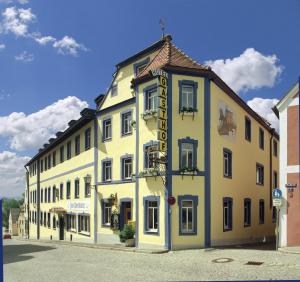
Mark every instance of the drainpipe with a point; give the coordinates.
(271, 165)
(27, 198)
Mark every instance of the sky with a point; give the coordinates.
(57, 56)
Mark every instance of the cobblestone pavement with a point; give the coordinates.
(29, 261)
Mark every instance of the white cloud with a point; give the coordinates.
(43, 40)
(264, 108)
(251, 70)
(23, 2)
(69, 46)
(32, 131)
(2, 47)
(17, 21)
(24, 57)
(12, 174)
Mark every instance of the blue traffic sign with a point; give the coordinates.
(277, 193)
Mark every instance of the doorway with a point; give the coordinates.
(61, 227)
(126, 213)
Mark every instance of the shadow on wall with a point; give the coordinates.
(16, 253)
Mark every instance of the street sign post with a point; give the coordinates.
(277, 203)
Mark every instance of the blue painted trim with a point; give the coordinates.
(122, 201)
(122, 159)
(146, 91)
(192, 83)
(137, 65)
(195, 147)
(150, 143)
(106, 160)
(207, 200)
(195, 210)
(229, 202)
(103, 124)
(145, 205)
(169, 182)
(95, 179)
(122, 104)
(122, 114)
(137, 167)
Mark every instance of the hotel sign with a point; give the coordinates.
(162, 122)
(79, 206)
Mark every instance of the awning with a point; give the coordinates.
(58, 210)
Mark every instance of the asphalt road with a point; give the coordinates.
(28, 261)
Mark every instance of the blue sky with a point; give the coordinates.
(109, 31)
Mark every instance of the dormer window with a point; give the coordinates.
(114, 90)
(139, 69)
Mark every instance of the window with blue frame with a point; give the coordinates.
(151, 209)
(87, 138)
(151, 154)
(151, 99)
(126, 163)
(188, 214)
(106, 207)
(227, 214)
(247, 212)
(187, 153)
(106, 127)
(227, 163)
(187, 95)
(106, 171)
(126, 123)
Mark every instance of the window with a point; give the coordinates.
(71, 222)
(48, 221)
(87, 190)
(49, 195)
(227, 163)
(68, 190)
(42, 195)
(151, 153)
(247, 212)
(41, 218)
(140, 68)
(259, 174)
(45, 219)
(247, 129)
(126, 123)
(54, 159)
(188, 214)
(49, 161)
(106, 170)
(61, 154)
(187, 155)
(45, 196)
(106, 213)
(69, 150)
(42, 165)
(54, 222)
(77, 188)
(275, 180)
(107, 129)
(261, 212)
(187, 95)
(227, 214)
(261, 139)
(84, 223)
(77, 145)
(151, 219)
(151, 99)
(54, 194)
(126, 168)
(114, 90)
(87, 138)
(275, 148)
(61, 191)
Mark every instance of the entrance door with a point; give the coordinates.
(126, 214)
(61, 227)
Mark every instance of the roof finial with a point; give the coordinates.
(162, 26)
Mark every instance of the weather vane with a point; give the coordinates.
(162, 26)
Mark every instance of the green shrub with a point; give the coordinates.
(128, 232)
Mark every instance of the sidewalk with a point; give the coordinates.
(290, 250)
(111, 247)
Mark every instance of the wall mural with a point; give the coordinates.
(226, 120)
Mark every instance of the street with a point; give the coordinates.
(31, 261)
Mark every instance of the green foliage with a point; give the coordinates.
(128, 232)
(7, 204)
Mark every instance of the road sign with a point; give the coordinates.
(277, 202)
(277, 193)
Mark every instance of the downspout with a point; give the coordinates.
(271, 165)
(27, 198)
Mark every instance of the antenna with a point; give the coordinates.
(162, 26)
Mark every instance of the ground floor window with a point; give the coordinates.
(188, 214)
(151, 206)
(48, 221)
(247, 212)
(227, 214)
(71, 222)
(106, 212)
(84, 223)
(261, 212)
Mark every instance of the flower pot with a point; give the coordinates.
(130, 243)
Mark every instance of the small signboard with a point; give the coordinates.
(277, 193)
(277, 202)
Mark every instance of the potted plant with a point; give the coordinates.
(127, 235)
(149, 114)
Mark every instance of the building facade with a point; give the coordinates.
(172, 149)
(287, 110)
(13, 221)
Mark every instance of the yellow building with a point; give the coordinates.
(169, 147)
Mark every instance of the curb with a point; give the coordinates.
(96, 246)
(282, 250)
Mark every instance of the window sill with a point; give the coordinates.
(107, 140)
(126, 134)
(227, 176)
(72, 230)
(193, 233)
(88, 234)
(151, 232)
(260, 184)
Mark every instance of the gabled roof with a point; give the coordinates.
(171, 56)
